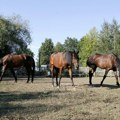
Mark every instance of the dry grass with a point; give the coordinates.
(39, 101)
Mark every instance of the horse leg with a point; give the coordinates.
(28, 76)
(32, 74)
(56, 80)
(106, 72)
(33, 71)
(4, 68)
(53, 81)
(13, 72)
(57, 71)
(52, 74)
(28, 73)
(115, 73)
(91, 72)
(70, 73)
(119, 75)
(60, 76)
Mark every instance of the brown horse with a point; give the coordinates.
(63, 60)
(103, 61)
(15, 61)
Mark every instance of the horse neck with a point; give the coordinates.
(73, 58)
(68, 56)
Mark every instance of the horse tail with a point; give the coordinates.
(118, 63)
(89, 61)
(33, 70)
(117, 60)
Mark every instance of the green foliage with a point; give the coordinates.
(105, 38)
(107, 41)
(109, 38)
(27, 51)
(70, 44)
(87, 45)
(14, 35)
(59, 47)
(45, 51)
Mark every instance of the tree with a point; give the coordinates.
(109, 38)
(105, 38)
(45, 51)
(27, 51)
(14, 35)
(58, 47)
(87, 45)
(115, 37)
(71, 44)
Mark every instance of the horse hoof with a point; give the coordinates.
(52, 86)
(74, 89)
(90, 84)
(118, 84)
(101, 85)
(58, 87)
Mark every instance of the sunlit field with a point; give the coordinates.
(40, 101)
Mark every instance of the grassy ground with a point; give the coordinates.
(39, 101)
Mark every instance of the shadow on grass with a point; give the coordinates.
(8, 108)
(104, 85)
(8, 96)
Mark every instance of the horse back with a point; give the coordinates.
(61, 59)
(104, 61)
(17, 60)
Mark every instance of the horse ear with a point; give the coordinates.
(73, 51)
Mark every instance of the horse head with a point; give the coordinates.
(75, 59)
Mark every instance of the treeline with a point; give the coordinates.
(15, 37)
(106, 40)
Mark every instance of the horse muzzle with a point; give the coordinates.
(76, 67)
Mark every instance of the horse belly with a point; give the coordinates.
(57, 64)
(18, 64)
(105, 65)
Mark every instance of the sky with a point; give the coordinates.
(59, 19)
